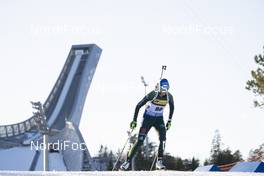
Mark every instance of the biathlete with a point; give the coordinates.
(153, 117)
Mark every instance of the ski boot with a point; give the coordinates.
(125, 166)
(160, 165)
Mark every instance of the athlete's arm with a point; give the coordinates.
(147, 98)
(171, 104)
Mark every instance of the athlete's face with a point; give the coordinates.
(164, 89)
(162, 93)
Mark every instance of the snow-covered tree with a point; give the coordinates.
(221, 156)
(257, 154)
(216, 147)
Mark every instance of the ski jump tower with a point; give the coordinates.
(63, 110)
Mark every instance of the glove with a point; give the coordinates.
(133, 124)
(168, 125)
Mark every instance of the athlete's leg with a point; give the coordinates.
(143, 131)
(160, 127)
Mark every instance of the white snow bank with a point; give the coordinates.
(129, 173)
(56, 162)
(18, 158)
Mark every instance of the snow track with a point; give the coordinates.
(129, 173)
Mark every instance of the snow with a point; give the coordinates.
(20, 158)
(129, 173)
(56, 162)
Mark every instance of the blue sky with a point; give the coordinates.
(208, 47)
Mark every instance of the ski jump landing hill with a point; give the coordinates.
(63, 110)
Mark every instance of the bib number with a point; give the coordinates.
(158, 109)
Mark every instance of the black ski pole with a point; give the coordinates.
(164, 67)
